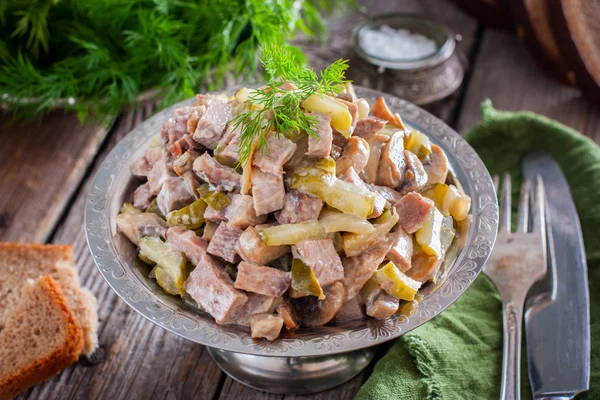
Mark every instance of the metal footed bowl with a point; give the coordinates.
(312, 359)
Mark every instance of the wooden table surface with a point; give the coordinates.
(46, 168)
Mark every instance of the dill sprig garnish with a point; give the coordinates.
(276, 108)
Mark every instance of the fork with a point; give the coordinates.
(516, 263)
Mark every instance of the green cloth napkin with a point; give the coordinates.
(458, 355)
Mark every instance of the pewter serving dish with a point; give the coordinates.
(312, 359)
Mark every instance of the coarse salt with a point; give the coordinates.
(392, 44)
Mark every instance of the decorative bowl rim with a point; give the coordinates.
(114, 257)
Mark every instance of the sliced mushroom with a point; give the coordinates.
(314, 313)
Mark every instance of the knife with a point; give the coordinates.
(557, 318)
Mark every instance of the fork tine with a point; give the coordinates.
(523, 213)
(496, 181)
(538, 206)
(505, 204)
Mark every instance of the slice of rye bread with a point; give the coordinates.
(20, 261)
(40, 338)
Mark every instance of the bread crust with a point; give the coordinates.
(58, 359)
(64, 271)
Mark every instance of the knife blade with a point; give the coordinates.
(557, 319)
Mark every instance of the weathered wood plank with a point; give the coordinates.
(233, 390)
(41, 165)
(347, 390)
(507, 74)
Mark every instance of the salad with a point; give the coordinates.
(292, 205)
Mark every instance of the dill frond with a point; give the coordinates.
(276, 109)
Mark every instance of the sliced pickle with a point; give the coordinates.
(128, 208)
(292, 233)
(429, 234)
(190, 216)
(216, 200)
(395, 283)
(304, 281)
(419, 144)
(344, 196)
(171, 263)
(154, 209)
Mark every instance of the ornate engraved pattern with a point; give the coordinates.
(111, 185)
(170, 319)
(329, 342)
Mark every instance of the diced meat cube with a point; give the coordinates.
(286, 312)
(191, 115)
(268, 192)
(262, 280)
(368, 126)
(424, 267)
(392, 163)
(212, 288)
(173, 129)
(185, 162)
(209, 230)
(192, 182)
(351, 310)
(141, 167)
(321, 146)
(321, 256)
(267, 326)
(277, 152)
(256, 304)
(299, 207)
(161, 171)
(415, 177)
(391, 195)
(413, 209)
(142, 196)
(380, 202)
(211, 125)
(376, 143)
(174, 195)
(187, 242)
(355, 155)
(136, 226)
(185, 143)
(401, 252)
(240, 212)
(437, 167)
(224, 241)
(229, 146)
(252, 249)
(381, 305)
(359, 269)
(220, 177)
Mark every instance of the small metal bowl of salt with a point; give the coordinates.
(416, 57)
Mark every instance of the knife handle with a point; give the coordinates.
(512, 315)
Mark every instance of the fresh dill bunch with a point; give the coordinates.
(276, 108)
(95, 57)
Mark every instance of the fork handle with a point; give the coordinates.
(511, 356)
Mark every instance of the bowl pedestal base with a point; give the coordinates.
(292, 375)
